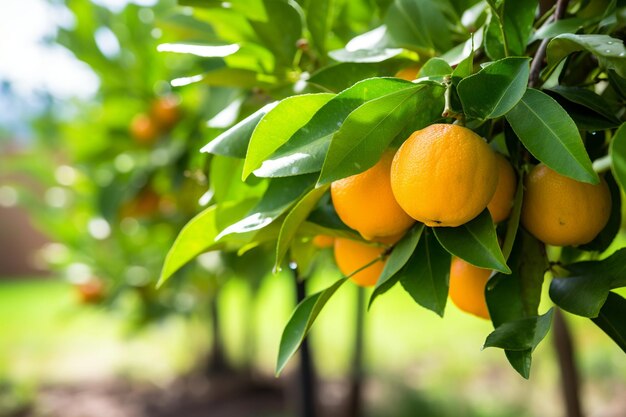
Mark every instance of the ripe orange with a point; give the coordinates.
(90, 292)
(366, 203)
(145, 204)
(323, 241)
(143, 129)
(467, 287)
(408, 73)
(561, 211)
(165, 112)
(444, 175)
(351, 255)
(502, 201)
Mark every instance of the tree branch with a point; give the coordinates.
(540, 54)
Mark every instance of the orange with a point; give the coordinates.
(143, 129)
(444, 175)
(323, 241)
(366, 203)
(502, 201)
(351, 255)
(90, 292)
(165, 112)
(561, 211)
(467, 287)
(408, 73)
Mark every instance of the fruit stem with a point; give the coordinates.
(602, 164)
(447, 110)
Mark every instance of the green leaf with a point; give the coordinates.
(250, 8)
(198, 236)
(364, 55)
(435, 67)
(512, 224)
(589, 110)
(522, 334)
(399, 256)
(366, 133)
(610, 52)
(617, 151)
(340, 76)
(234, 142)
(420, 25)
(280, 195)
(476, 242)
(611, 319)
(319, 18)
(494, 90)
(548, 132)
(281, 30)
(293, 221)
(515, 19)
(306, 149)
(301, 321)
(278, 125)
(584, 292)
(559, 27)
(510, 297)
(426, 275)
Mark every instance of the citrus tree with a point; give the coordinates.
(463, 150)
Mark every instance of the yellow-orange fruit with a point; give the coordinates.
(165, 112)
(444, 175)
(502, 201)
(467, 287)
(323, 241)
(561, 211)
(143, 129)
(90, 292)
(366, 203)
(408, 73)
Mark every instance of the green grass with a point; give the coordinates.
(416, 358)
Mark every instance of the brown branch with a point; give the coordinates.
(567, 364)
(540, 54)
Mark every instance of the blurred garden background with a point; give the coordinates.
(94, 188)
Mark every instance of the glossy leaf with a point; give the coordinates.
(280, 195)
(426, 275)
(589, 110)
(611, 319)
(301, 321)
(250, 8)
(364, 55)
(278, 125)
(319, 18)
(306, 149)
(617, 151)
(418, 25)
(198, 236)
(515, 19)
(610, 52)
(512, 224)
(522, 334)
(294, 219)
(552, 29)
(234, 142)
(475, 242)
(494, 90)
(343, 75)
(586, 289)
(551, 136)
(398, 258)
(435, 67)
(366, 133)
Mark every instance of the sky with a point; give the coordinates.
(31, 65)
